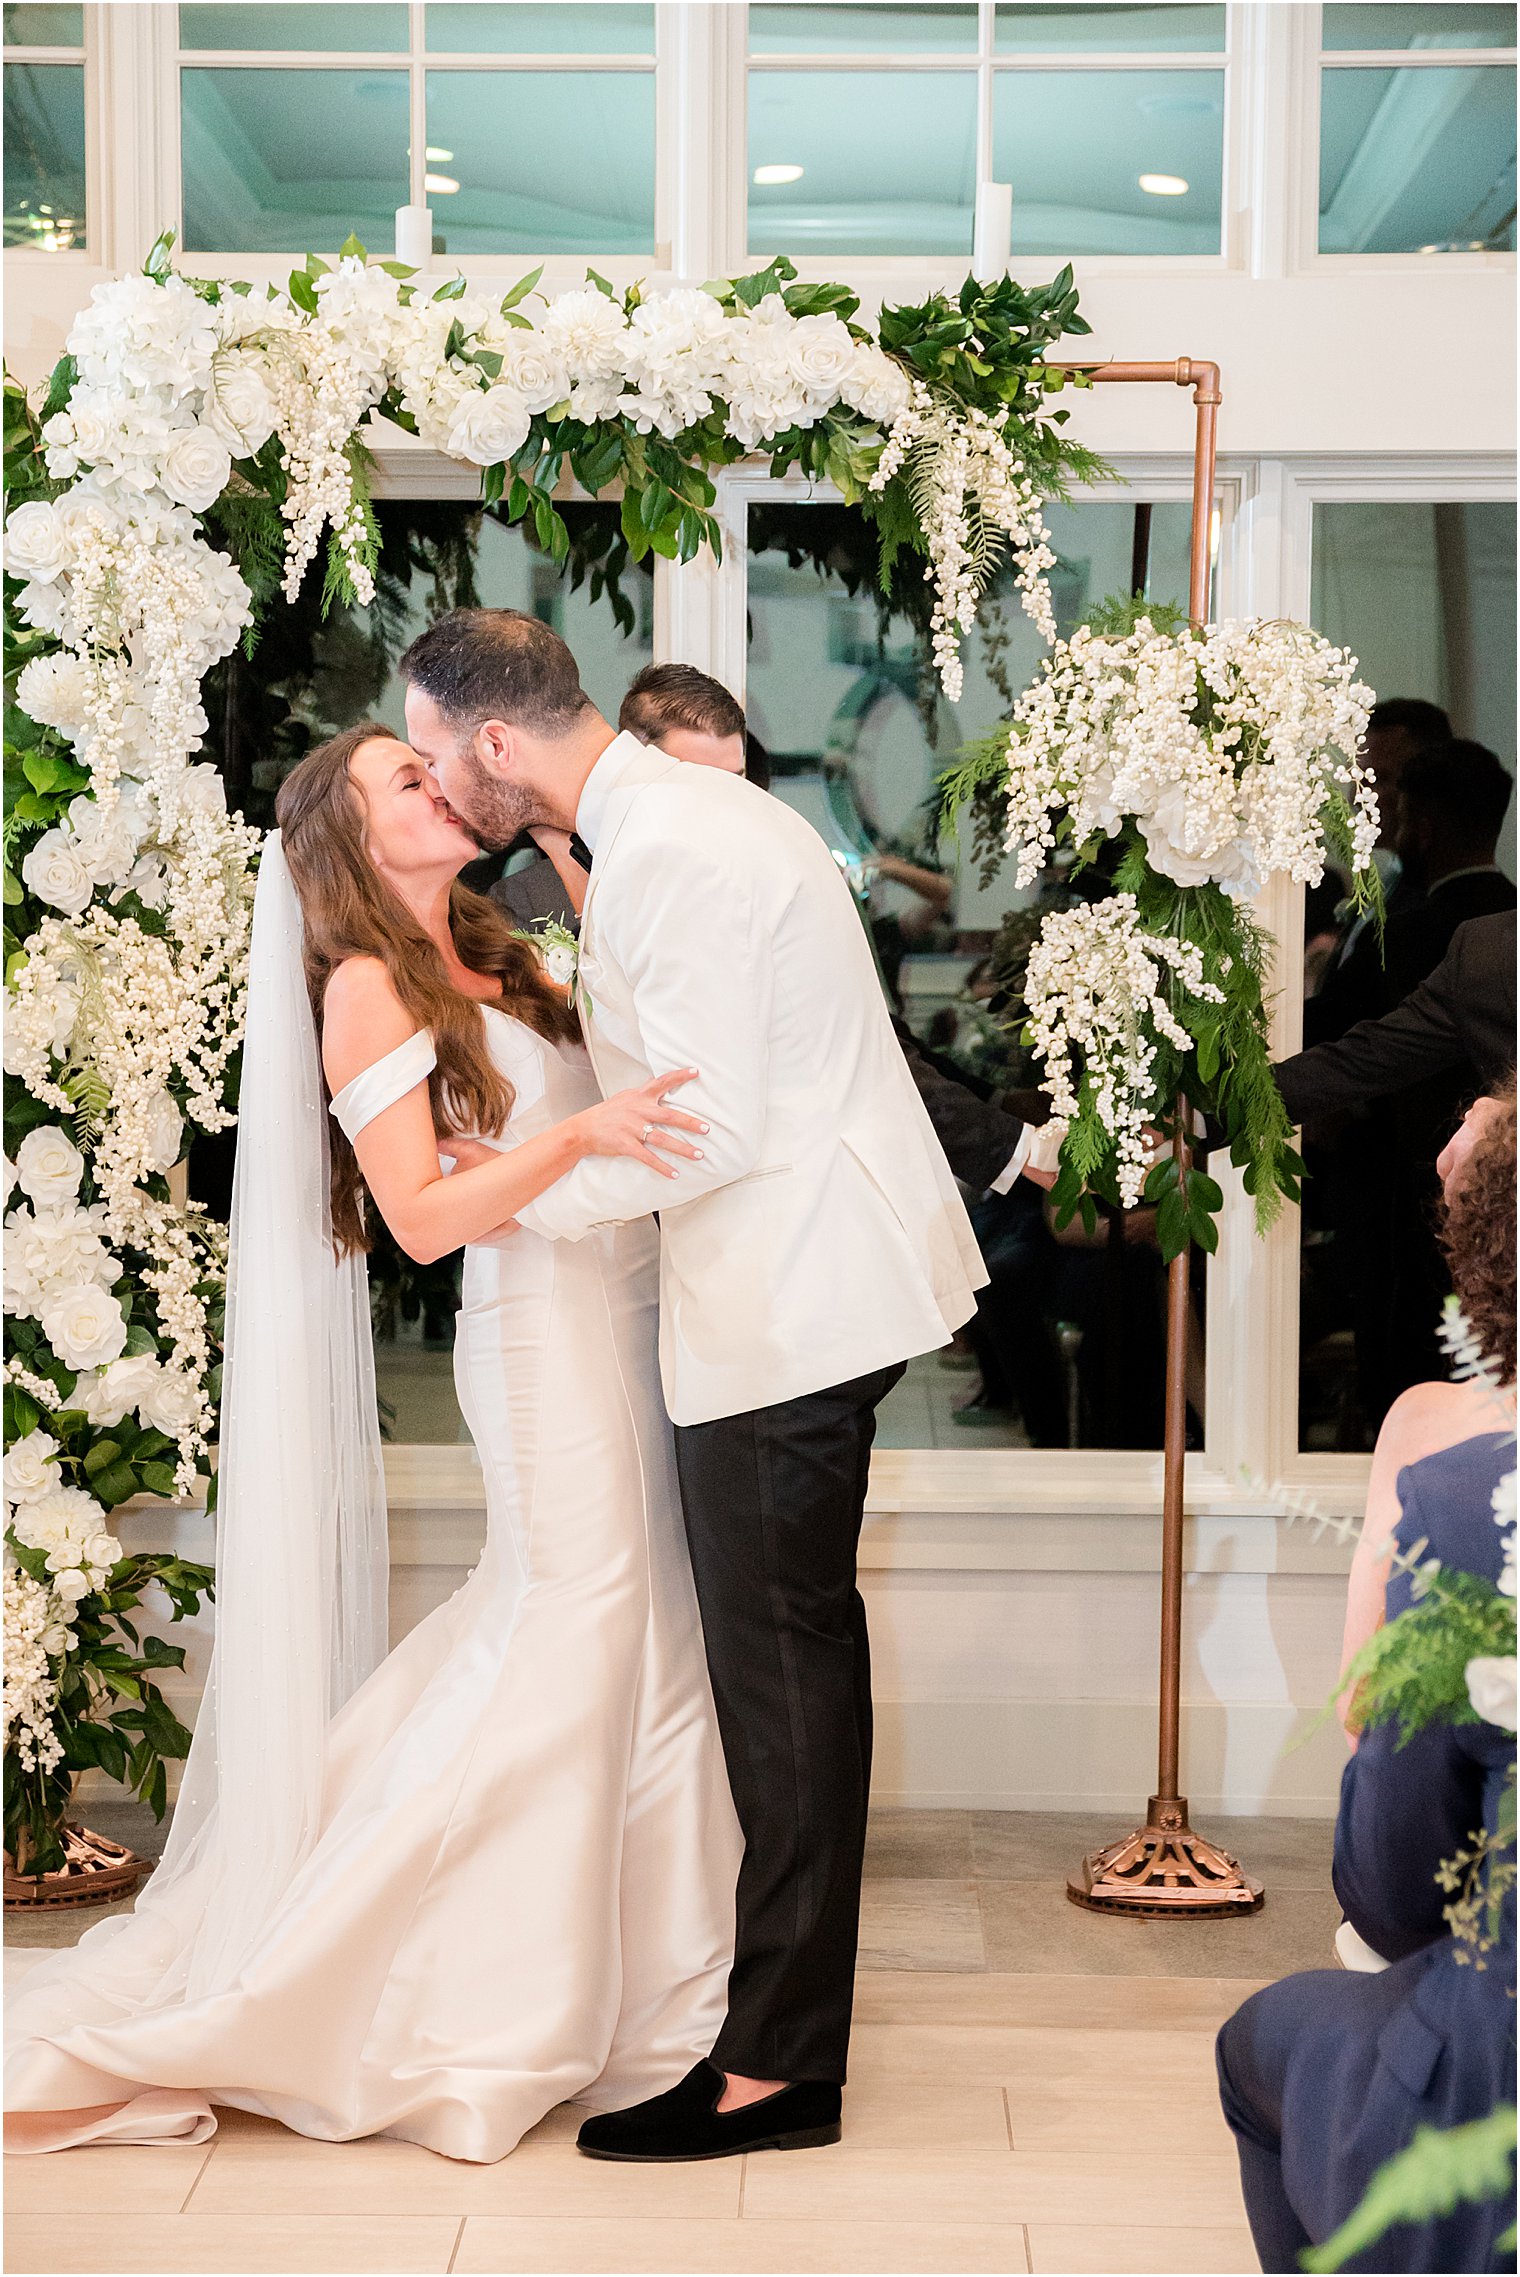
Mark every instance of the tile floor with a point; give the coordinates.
(1032, 2090)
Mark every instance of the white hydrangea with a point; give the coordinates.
(1099, 994)
(67, 1526)
(1225, 745)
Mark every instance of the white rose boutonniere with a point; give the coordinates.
(561, 954)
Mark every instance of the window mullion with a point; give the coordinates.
(417, 93)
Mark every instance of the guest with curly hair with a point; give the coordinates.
(1324, 2077)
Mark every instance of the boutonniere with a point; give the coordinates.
(561, 953)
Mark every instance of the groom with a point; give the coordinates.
(818, 1245)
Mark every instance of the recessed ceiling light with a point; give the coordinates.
(766, 175)
(1163, 185)
(442, 156)
(442, 185)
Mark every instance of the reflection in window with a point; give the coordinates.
(1365, 24)
(1424, 596)
(311, 676)
(842, 162)
(1418, 160)
(944, 27)
(507, 187)
(1065, 1349)
(360, 26)
(518, 27)
(44, 155)
(1132, 28)
(43, 25)
(283, 161)
(1111, 161)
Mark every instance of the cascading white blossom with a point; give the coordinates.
(1226, 744)
(38, 1630)
(976, 502)
(1100, 992)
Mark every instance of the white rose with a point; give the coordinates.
(56, 690)
(83, 433)
(71, 1584)
(56, 1639)
(240, 409)
(29, 1471)
(58, 874)
(106, 836)
(36, 546)
(533, 372)
(821, 352)
(166, 1131)
(172, 1403)
(201, 790)
(8, 1181)
(489, 426)
(84, 1325)
(49, 1166)
(117, 1390)
(1491, 1689)
(559, 963)
(196, 467)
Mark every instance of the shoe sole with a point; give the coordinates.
(802, 2138)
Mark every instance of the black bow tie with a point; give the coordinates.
(579, 850)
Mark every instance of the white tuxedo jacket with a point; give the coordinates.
(821, 1236)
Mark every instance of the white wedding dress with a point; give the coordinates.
(521, 1887)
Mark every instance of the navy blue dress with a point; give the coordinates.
(1324, 2076)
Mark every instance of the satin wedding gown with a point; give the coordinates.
(522, 1890)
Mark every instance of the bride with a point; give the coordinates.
(434, 1897)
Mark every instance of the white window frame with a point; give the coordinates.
(1309, 60)
(86, 256)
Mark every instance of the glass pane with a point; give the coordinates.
(292, 161)
(517, 27)
(1417, 161)
(802, 30)
(1417, 23)
(1121, 30)
(1424, 596)
(1111, 161)
(373, 25)
(1065, 1347)
(43, 26)
(542, 161)
(843, 162)
(314, 676)
(44, 155)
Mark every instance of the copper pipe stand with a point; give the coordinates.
(95, 1871)
(1164, 1871)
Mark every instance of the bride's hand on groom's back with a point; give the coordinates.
(639, 1121)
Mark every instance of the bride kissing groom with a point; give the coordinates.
(594, 1831)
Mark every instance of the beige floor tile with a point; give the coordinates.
(1032, 1928)
(492, 2247)
(1029, 2060)
(1057, 2250)
(910, 1923)
(845, 2185)
(1102, 2003)
(249, 2174)
(932, 1845)
(891, 2112)
(1118, 2119)
(251, 2245)
(109, 2179)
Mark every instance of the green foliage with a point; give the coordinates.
(1442, 2168)
(1413, 1671)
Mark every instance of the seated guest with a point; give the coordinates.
(1326, 2076)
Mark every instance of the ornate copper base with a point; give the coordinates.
(95, 1870)
(1164, 1871)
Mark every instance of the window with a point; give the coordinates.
(1423, 594)
(869, 127)
(527, 128)
(1417, 129)
(44, 128)
(1065, 1346)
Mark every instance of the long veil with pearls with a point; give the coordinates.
(301, 1550)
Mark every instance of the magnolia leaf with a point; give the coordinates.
(157, 264)
(521, 289)
(453, 290)
(594, 277)
(352, 250)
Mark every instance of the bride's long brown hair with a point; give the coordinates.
(350, 911)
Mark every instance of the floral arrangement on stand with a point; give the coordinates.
(1182, 766)
(186, 410)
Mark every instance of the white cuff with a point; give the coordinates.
(1003, 1183)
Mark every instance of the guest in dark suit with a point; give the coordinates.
(1326, 2076)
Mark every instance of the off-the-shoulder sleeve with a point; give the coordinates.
(378, 1087)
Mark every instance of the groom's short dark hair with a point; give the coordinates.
(480, 664)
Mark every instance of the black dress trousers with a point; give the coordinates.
(773, 1502)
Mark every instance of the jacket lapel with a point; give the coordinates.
(649, 767)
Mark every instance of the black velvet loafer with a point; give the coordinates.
(685, 2122)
